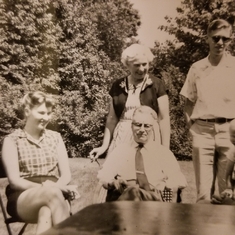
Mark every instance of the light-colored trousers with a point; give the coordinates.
(211, 146)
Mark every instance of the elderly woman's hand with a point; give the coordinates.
(96, 152)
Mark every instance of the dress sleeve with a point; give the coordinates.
(112, 90)
(189, 89)
(117, 87)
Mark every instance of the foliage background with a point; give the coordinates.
(173, 58)
(69, 48)
(72, 48)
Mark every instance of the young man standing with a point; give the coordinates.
(210, 106)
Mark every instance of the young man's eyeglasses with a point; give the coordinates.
(138, 125)
(216, 39)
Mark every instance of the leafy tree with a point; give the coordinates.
(179, 134)
(116, 21)
(175, 57)
(28, 55)
(70, 48)
(87, 66)
(29, 44)
(189, 29)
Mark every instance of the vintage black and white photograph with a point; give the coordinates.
(117, 117)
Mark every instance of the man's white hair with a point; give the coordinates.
(143, 109)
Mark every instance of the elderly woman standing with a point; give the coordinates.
(128, 93)
(36, 163)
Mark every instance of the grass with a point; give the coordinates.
(84, 175)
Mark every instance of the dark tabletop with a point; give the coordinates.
(157, 218)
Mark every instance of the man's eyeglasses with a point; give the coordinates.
(139, 125)
(216, 39)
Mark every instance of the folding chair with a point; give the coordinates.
(7, 219)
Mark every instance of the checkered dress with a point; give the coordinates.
(37, 157)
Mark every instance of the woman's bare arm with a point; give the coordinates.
(111, 123)
(11, 165)
(164, 120)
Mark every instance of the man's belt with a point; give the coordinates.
(217, 120)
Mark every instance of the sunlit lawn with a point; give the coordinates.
(84, 175)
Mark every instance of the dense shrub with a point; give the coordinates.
(180, 143)
(70, 48)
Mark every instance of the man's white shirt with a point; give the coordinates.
(161, 166)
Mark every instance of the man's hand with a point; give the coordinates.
(119, 184)
(216, 199)
(227, 193)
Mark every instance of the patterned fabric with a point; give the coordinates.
(167, 195)
(132, 103)
(211, 88)
(37, 157)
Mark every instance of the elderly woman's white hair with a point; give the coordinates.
(134, 51)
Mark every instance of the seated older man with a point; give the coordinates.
(143, 170)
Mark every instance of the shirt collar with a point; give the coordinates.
(147, 82)
(226, 61)
(145, 146)
(22, 134)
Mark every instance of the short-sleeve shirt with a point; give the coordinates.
(211, 88)
(37, 158)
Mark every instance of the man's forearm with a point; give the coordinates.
(228, 174)
(188, 110)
